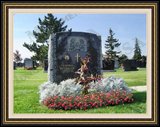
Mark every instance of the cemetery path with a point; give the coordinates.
(139, 88)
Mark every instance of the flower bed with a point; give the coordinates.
(88, 101)
(85, 91)
(70, 88)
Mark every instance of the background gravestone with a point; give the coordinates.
(29, 64)
(20, 64)
(65, 51)
(116, 63)
(129, 65)
(141, 63)
(108, 64)
(14, 65)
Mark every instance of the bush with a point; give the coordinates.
(110, 83)
(65, 88)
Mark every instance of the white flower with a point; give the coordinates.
(70, 88)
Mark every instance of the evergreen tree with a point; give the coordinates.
(17, 57)
(137, 51)
(47, 26)
(111, 44)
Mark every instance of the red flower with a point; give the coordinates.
(88, 101)
(65, 108)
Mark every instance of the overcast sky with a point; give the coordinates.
(125, 26)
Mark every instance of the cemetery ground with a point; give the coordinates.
(26, 97)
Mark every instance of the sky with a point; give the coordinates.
(125, 26)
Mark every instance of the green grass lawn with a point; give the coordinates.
(132, 78)
(26, 97)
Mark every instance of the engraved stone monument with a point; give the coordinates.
(65, 51)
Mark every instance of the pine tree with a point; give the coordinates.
(47, 26)
(137, 51)
(111, 44)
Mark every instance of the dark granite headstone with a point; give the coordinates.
(14, 65)
(116, 63)
(46, 65)
(141, 63)
(108, 65)
(65, 51)
(20, 64)
(129, 65)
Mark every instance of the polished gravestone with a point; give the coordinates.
(20, 64)
(108, 65)
(14, 65)
(65, 51)
(141, 63)
(129, 65)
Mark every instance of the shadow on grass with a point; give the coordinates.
(139, 96)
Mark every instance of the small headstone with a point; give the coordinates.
(65, 51)
(129, 65)
(141, 63)
(14, 65)
(29, 64)
(116, 63)
(20, 64)
(46, 65)
(108, 65)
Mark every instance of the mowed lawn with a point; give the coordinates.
(26, 96)
(132, 78)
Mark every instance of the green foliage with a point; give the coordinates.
(137, 51)
(39, 50)
(17, 57)
(111, 44)
(47, 26)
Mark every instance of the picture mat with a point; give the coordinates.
(12, 12)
